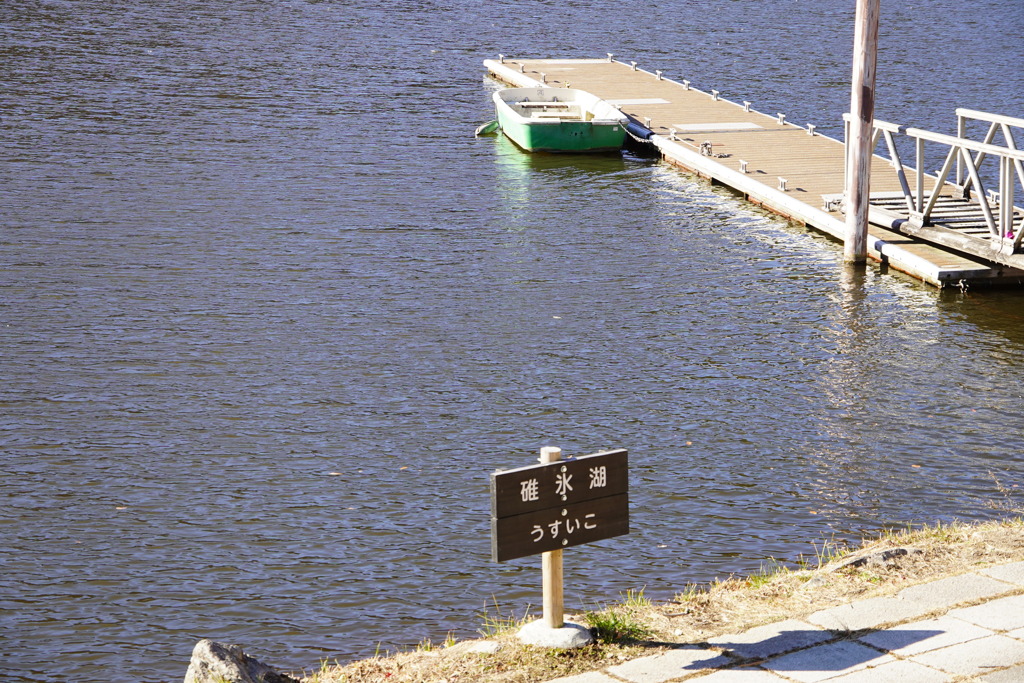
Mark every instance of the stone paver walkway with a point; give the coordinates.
(964, 628)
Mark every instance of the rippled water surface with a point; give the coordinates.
(270, 314)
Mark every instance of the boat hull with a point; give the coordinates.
(564, 136)
(574, 121)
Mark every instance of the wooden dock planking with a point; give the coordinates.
(773, 149)
(776, 149)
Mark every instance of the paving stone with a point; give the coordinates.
(827, 661)
(1005, 614)
(747, 674)
(961, 643)
(921, 636)
(589, 677)
(772, 639)
(1013, 573)
(975, 657)
(669, 665)
(955, 590)
(871, 613)
(903, 672)
(1012, 675)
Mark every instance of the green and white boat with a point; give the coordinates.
(559, 120)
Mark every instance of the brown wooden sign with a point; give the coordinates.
(557, 505)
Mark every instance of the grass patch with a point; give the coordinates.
(496, 622)
(829, 551)
(426, 645)
(616, 625)
(622, 623)
(769, 570)
(635, 599)
(690, 592)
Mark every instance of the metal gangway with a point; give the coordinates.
(968, 204)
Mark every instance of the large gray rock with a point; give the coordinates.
(214, 662)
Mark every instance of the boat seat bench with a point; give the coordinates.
(527, 103)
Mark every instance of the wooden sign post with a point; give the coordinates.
(541, 509)
(551, 565)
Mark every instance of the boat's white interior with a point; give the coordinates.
(566, 111)
(558, 104)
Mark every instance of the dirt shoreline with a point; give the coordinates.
(636, 627)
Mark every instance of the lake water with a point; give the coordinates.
(270, 315)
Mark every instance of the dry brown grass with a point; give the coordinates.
(701, 612)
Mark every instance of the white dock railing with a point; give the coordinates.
(967, 156)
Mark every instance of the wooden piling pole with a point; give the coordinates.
(862, 109)
(551, 565)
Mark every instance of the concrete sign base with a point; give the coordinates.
(570, 636)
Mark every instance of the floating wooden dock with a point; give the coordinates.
(795, 171)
